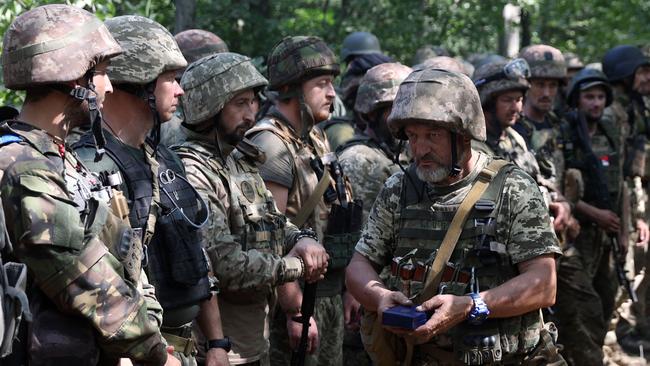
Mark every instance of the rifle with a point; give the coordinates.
(619, 262)
(306, 312)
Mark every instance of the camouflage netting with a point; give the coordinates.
(379, 86)
(54, 44)
(212, 81)
(149, 50)
(440, 98)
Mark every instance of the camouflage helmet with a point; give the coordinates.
(489, 90)
(621, 62)
(213, 80)
(296, 59)
(54, 44)
(573, 61)
(440, 98)
(198, 43)
(428, 51)
(442, 62)
(359, 43)
(149, 50)
(379, 86)
(585, 79)
(545, 62)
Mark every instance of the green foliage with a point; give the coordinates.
(464, 27)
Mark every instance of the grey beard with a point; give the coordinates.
(432, 175)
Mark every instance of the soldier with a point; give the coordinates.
(301, 174)
(84, 294)
(628, 71)
(164, 209)
(542, 130)
(586, 283)
(502, 102)
(360, 51)
(247, 235)
(487, 305)
(194, 44)
(368, 160)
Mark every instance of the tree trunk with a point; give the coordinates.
(185, 15)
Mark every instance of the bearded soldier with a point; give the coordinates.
(84, 293)
(483, 287)
(307, 184)
(247, 235)
(164, 208)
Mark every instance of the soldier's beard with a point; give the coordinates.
(436, 175)
(76, 114)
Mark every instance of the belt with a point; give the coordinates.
(181, 339)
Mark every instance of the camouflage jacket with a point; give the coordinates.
(546, 140)
(66, 258)
(520, 231)
(512, 147)
(367, 166)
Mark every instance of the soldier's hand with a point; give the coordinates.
(217, 357)
(171, 360)
(608, 220)
(295, 329)
(388, 300)
(313, 256)
(351, 311)
(561, 212)
(448, 310)
(643, 231)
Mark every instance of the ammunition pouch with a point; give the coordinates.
(13, 303)
(547, 351)
(477, 344)
(55, 338)
(343, 232)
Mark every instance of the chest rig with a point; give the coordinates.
(547, 144)
(167, 212)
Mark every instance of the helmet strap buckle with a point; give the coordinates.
(455, 168)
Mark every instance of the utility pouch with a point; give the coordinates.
(547, 351)
(55, 338)
(477, 345)
(343, 232)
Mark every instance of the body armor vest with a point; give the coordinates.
(304, 184)
(254, 219)
(176, 263)
(479, 261)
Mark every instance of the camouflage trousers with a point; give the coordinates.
(329, 320)
(353, 352)
(586, 290)
(633, 316)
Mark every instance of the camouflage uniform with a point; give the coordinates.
(246, 235)
(586, 281)
(402, 221)
(295, 149)
(155, 186)
(631, 114)
(53, 203)
(546, 138)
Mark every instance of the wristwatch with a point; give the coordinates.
(219, 343)
(479, 312)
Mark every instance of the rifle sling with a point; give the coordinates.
(316, 196)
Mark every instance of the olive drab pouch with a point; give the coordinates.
(14, 306)
(547, 351)
(177, 263)
(343, 232)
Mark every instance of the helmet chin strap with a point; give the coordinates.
(151, 102)
(455, 168)
(89, 94)
(306, 118)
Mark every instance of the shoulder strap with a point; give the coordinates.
(456, 227)
(313, 200)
